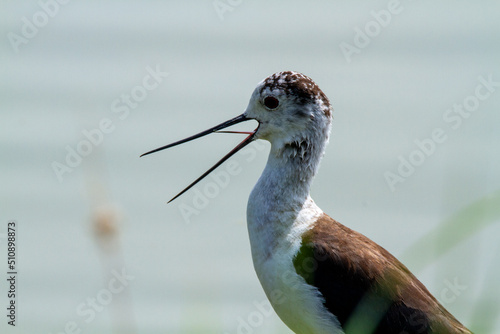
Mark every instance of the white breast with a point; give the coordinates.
(275, 238)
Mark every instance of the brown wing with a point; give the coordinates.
(362, 283)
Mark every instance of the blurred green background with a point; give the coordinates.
(114, 79)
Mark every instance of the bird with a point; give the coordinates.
(319, 275)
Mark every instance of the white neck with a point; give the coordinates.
(279, 212)
(279, 206)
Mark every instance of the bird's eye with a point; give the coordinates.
(271, 102)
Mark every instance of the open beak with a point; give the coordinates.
(245, 142)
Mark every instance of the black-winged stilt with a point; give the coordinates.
(318, 274)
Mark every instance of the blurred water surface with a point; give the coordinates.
(189, 262)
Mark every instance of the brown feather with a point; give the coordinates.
(361, 275)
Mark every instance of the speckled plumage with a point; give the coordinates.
(297, 86)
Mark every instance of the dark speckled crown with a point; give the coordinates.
(299, 86)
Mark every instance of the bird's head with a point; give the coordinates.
(294, 115)
(292, 111)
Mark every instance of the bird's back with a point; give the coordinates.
(362, 282)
